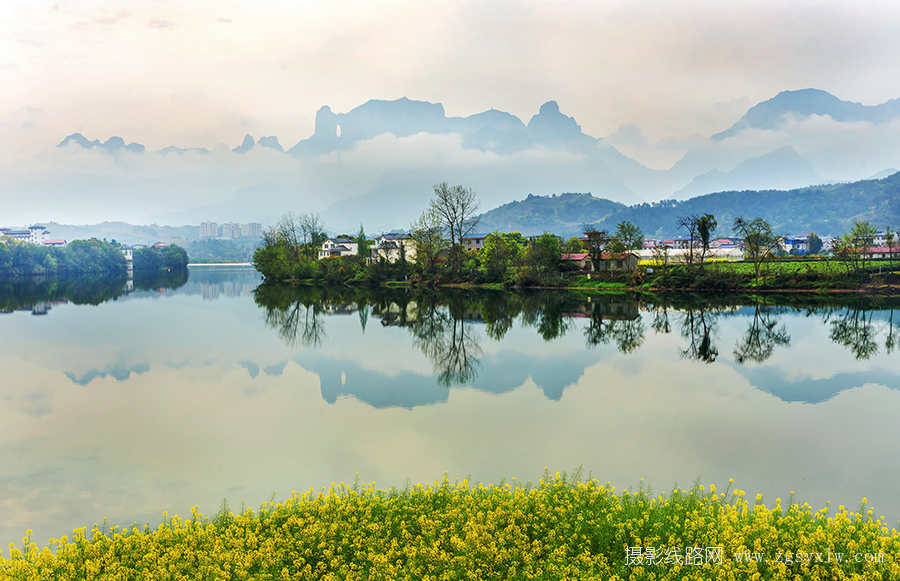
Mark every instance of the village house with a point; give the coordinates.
(582, 259)
(474, 242)
(683, 243)
(883, 251)
(799, 243)
(729, 252)
(338, 247)
(609, 262)
(388, 246)
(618, 261)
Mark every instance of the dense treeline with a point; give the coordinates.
(172, 257)
(92, 256)
(506, 259)
(433, 253)
(83, 257)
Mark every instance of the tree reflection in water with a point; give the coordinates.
(660, 322)
(35, 292)
(890, 342)
(443, 334)
(618, 322)
(698, 320)
(298, 324)
(442, 325)
(298, 317)
(698, 327)
(762, 336)
(855, 331)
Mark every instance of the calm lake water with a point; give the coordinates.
(124, 399)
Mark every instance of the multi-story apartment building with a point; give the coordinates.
(209, 230)
(251, 230)
(231, 230)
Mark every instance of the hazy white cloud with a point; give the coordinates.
(839, 151)
(107, 18)
(438, 150)
(85, 186)
(627, 134)
(671, 69)
(161, 24)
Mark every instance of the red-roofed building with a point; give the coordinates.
(582, 259)
(618, 261)
(883, 251)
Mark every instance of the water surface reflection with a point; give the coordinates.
(130, 402)
(440, 325)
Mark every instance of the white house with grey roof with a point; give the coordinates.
(388, 246)
(338, 247)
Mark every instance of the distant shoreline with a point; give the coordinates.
(215, 264)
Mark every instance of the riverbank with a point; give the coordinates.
(585, 284)
(562, 528)
(783, 275)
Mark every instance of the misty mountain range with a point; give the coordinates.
(377, 163)
(828, 210)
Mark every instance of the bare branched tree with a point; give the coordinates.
(689, 223)
(457, 208)
(300, 233)
(760, 242)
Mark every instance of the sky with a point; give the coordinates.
(646, 74)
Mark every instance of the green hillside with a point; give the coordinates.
(559, 214)
(828, 210)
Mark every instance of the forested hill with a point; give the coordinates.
(828, 210)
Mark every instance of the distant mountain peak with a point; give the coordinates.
(112, 145)
(804, 103)
(551, 127)
(271, 142)
(774, 170)
(550, 108)
(490, 130)
(80, 140)
(246, 146)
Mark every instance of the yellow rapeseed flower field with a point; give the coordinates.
(564, 528)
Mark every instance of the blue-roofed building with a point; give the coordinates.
(796, 244)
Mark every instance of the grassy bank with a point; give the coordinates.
(783, 275)
(560, 529)
(778, 276)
